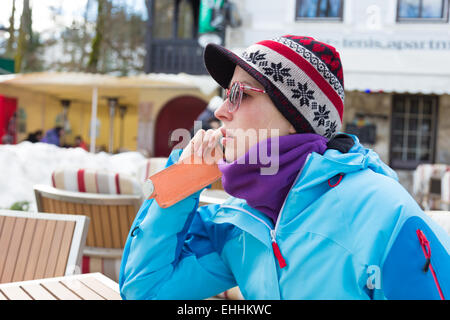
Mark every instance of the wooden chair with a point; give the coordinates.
(38, 245)
(150, 166)
(427, 185)
(111, 215)
(445, 191)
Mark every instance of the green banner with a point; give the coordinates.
(207, 10)
(6, 66)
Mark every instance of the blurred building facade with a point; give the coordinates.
(147, 109)
(178, 30)
(396, 61)
(173, 30)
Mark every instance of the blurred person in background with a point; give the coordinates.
(35, 136)
(79, 143)
(54, 136)
(213, 123)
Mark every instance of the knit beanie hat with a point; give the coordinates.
(302, 76)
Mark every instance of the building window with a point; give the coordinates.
(422, 10)
(413, 131)
(313, 9)
(186, 20)
(164, 12)
(175, 19)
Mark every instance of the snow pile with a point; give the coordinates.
(26, 164)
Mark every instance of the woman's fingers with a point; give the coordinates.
(193, 145)
(214, 152)
(203, 146)
(210, 140)
(217, 138)
(204, 143)
(198, 141)
(206, 146)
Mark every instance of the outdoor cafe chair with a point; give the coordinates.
(36, 245)
(111, 217)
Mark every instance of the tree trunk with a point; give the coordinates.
(85, 37)
(12, 36)
(148, 35)
(94, 57)
(22, 41)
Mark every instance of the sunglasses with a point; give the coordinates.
(235, 94)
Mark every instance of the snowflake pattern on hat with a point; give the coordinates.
(277, 71)
(321, 115)
(254, 57)
(303, 94)
(331, 130)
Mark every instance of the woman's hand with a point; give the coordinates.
(205, 146)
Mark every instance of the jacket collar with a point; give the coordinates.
(246, 218)
(312, 182)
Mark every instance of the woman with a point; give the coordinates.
(330, 222)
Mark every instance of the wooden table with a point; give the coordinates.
(89, 286)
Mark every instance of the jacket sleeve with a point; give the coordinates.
(171, 254)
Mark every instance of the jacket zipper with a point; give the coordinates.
(428, 266)
(275, 247)
(273, 232)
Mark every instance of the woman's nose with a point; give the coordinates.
(222, 112)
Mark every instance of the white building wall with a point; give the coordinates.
(369, 39)
(263, 19)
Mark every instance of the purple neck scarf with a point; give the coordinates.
(263, 184)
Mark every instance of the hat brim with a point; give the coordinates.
(221, 62)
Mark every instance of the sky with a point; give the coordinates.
(70, 9)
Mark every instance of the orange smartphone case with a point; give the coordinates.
(179, 181)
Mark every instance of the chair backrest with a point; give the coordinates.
(150, 166)
(445, 188)
(111, 215)
(424, 173)
(38, 245)
(95, 181)
(427, 184)
(441, 217)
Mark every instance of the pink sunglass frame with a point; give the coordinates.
(233, 107)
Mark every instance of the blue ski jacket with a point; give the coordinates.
(347, 230)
